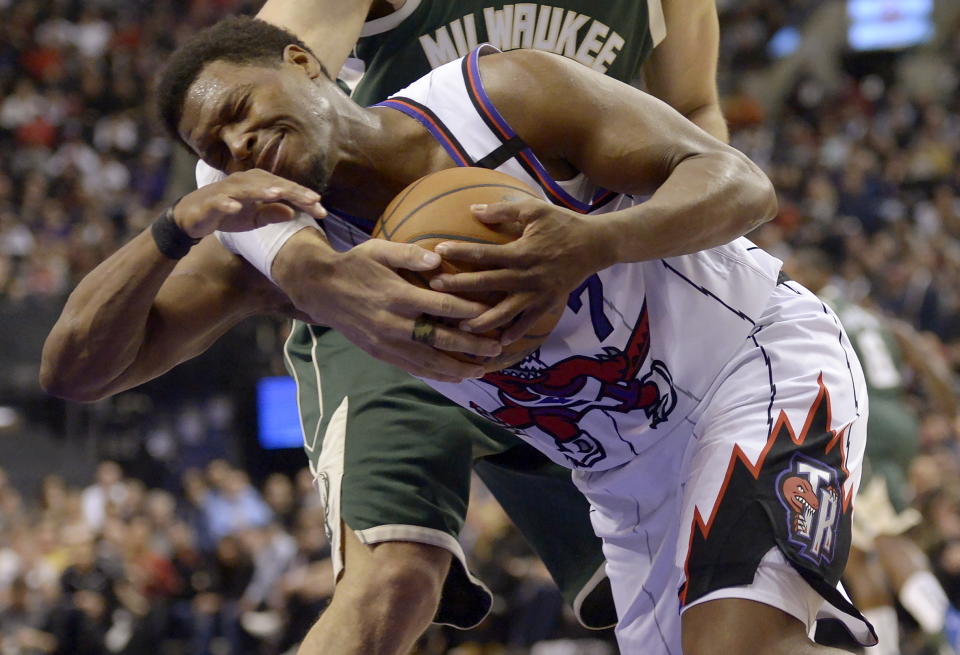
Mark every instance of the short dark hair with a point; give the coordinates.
(238, 39)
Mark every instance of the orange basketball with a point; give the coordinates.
(436, 208)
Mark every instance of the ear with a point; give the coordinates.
(294, 54)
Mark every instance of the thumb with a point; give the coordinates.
(511, 214)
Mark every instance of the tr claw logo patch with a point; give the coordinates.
(791, 496)
(809, 493)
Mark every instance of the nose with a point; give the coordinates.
(239, 141)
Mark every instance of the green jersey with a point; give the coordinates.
(611, 37)
(877, 349)
(892, 425)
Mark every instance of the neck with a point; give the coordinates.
(383, 152)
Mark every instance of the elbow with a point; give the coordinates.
(759, 195)
(75, 393)
(57, 380)
(61, 386)
(770, 205)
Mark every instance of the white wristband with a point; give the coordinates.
(260, 246)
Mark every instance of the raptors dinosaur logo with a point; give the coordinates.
(556, 398)
(810, 494)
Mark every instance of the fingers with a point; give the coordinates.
(518, 211)
(524, 324)
(481, 254)
(432, 332)
(274, 212)
(227, 205)
(501, 314)
(401, 255)
(426, 361)
(244, 201)
(516, 315)
(256, 186)
(413, 300)
(481, 281)
(238, 214)
(512, 216)
(421, 346)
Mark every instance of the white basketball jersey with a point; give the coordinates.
(639, 345)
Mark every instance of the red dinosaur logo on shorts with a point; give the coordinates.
(557, 397)
(802, 501)
(809, 493)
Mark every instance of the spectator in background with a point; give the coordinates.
(89, 598)
(278, 493)
(192, 579)
(194, 490)
(273, 550)
(234, 506)
(107, 491)
(221, 606)
(24, 624)
(307, 586)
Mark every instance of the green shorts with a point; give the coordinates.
(393, 460)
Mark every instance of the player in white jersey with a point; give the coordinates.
(721, 474)
(629, 380)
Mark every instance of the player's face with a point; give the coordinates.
(242, 116)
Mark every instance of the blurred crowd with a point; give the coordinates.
(119, 568)
(217, 566)
(85, 164)
(749, 26)
(866, 173)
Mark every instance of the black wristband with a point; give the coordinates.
(171, 240)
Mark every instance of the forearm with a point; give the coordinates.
(140, 312)
(329, 27)
(709, 118)
(707, 201)
(103, 324)
(302, 263)
(682, 70)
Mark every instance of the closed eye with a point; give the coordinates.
(240, 109)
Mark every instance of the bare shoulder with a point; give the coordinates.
(503, 72)
(543, 96)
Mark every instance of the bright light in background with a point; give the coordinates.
(785, 42)
(889, 24)
(278, 419)
(8, 417)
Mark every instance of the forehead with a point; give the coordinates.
(218, 84)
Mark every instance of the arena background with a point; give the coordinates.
(198, 539)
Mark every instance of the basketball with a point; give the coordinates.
(436, 208)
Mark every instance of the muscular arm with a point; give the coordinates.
(705, 193)
(682, 69)
(139, 314)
